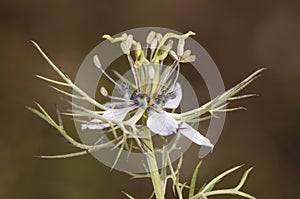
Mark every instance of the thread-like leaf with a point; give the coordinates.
(244, 178)
(229, 192)
(128, 196)
(41, 115)
(213, 182)
(66, 93)
(194, 179)
(221, 99)
(242, 97)
(118, 156)
(69, 155)
(53, 81)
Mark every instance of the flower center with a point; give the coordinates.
(143, 100)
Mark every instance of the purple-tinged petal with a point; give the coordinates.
(174, 103)
(194, 135)
(111, 114)
(161, 123)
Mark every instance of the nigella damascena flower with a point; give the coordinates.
(155, 89)
(147, 103)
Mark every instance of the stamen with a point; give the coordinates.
(176, 78)
(99, 66)
(153, 46)
(150, 37)
(180, 47)
(168, 74)
(104, 92)
(134, 72)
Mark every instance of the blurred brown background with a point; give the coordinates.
(241, 36)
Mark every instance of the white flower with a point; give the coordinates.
(153, 93)
(155, 90)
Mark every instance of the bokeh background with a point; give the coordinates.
(241, 36)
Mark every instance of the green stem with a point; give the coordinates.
(155, 177)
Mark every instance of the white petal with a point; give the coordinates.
(111, 114)
(174, 103)
(194, 135)
(117, 114)
(92, 126)
(116, 105)
(161, 123)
